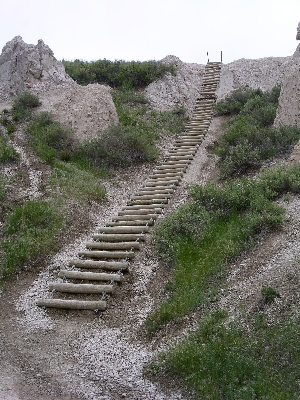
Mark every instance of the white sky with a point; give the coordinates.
(151, 29)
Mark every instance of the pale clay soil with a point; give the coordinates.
(61, 355)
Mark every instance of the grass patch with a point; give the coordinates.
(224, 361)
(221, 222)
(7, 152)
(71, 182)
(30, 231)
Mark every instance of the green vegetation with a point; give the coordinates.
(49, 139)
(202, 236)
(242, 356)
(250, 139)
(134, 139)
(237, 100)
(118, 74)
(224, 360)
(23, 105)
(7, 152)
(269, 294)
(76, 169)
(29, 232)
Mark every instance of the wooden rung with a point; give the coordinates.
(86, 288)
(107, 254)
(113, 246)
(134, 217)
(106, 265)
(90, 276)
(146, 222)
(72, 304)
(119, 237)
(125, 229)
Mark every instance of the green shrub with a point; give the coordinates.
(237, 100)
(30, 231)
(7, 152)
(269, 294)
(118, 73)
(4, 121)
(25, 101)
(11, 128)
(23, 105)
(49, 139)
(117, 147)
(249, 139)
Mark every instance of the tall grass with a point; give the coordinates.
(7, 152)
(30, 231)
(223, 360)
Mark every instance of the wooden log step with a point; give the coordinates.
(187, 147)
(124, 229)
(144, 207)
(163, 182)
(159, 182)
(166, 175)
(106, 254)
(174, 166)
(136, 217)
(86, 288)
(153, 190)
(182, 157)
(72, 304)
(188, 138)
(187, 151)
(184, 142)
(152, 196)
(132, 223)
(140, 211)
(90, 276)
(156, 202)
(107, 265)
(172, 162)
(113, 246)
(119, 237)
(177, 170)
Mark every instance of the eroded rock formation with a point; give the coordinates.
(28, 67)
(177, 90)
(288, 112)
(88, 110)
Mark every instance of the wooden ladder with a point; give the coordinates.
(109, 253)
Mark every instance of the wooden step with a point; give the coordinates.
(90, 276)
(77, 288)
(106, 254)
(113, 246)
(119, 237)
(124, 229)
(72, 304)
(106, 265)
(146, 222)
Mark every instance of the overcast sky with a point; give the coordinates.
(151, 29)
